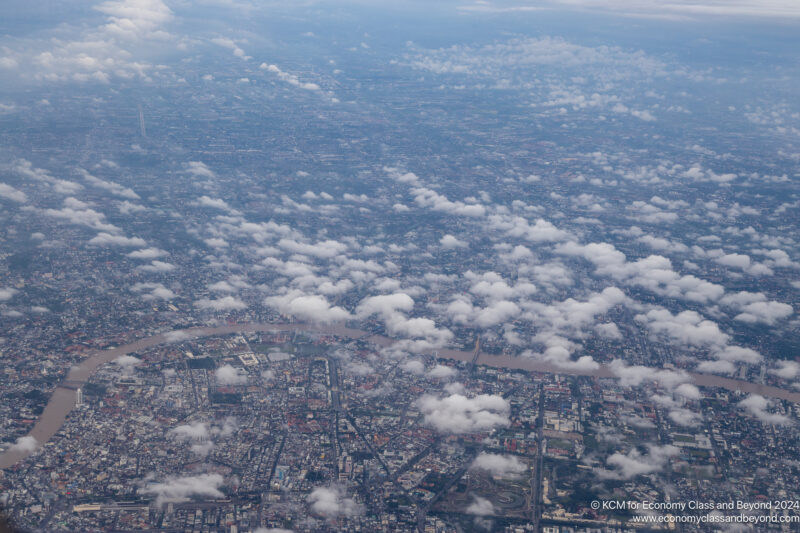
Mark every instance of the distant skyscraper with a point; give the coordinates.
(78, 397)
(141, 122)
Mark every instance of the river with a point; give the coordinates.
(63, 399)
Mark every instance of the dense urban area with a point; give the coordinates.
(350, 268)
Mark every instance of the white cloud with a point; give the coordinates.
(764, 312)
(635, 375)
(459, 414)
(307, 307)
(216, 203)
(634, 463)
(232, 46)
(441, 372)
(684, 9)
(190, 432)
(413, 366)
(449, 242)
(520, 227)
(323, 249)
(480, 506)
(502, 60)
(114, 49)
(10, 193)
(76, 212)
(107, 239)
(687, 327)
(157, 291)
(183, 489)
(608, 330)
(385, 305)
(689, 391)
(229, 375)
(157, 266)
(7, 293)
(425, 197)
(147, 253)
(113, 188)
(332, 502)
(499, 465)
(26, 444)
(176, 336)
(684, 417)
(654, 272)
(786, 369)
(227, 303)
(289, 78)
(199, 169)
(127, 363)
(757, 406)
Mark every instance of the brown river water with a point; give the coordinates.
(63, 399)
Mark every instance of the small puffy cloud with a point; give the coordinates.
(10, 193)
(127, 362)
(157, 266)
(216, 203)
(307, 307)
(190, 432)
(358, 368)
(222, 286)
(323, 249)
(786, 369)
(289, 78)
(688, 391)
(176, 336)
(147, 253)
(634, 463)
(480, 506)
(226, 303)
(459, 414)
(441, 372)
(635, 375)
(107, 239)
(413, 366)
(332, 502)
(183, 489)
(198, 168)
(716, 367)
(429, 198)
(26, 444)
(499, 465)
(7, 293)
(449, 242)
(608, 330)
(558, 352)
(764, 312)
(232, 46)
(113, 188)
(684, 417)
(757, 406)
(385, 305)
(216, 242)
(202, 449)
(687, 327)
(516, 226)
(229, 375)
